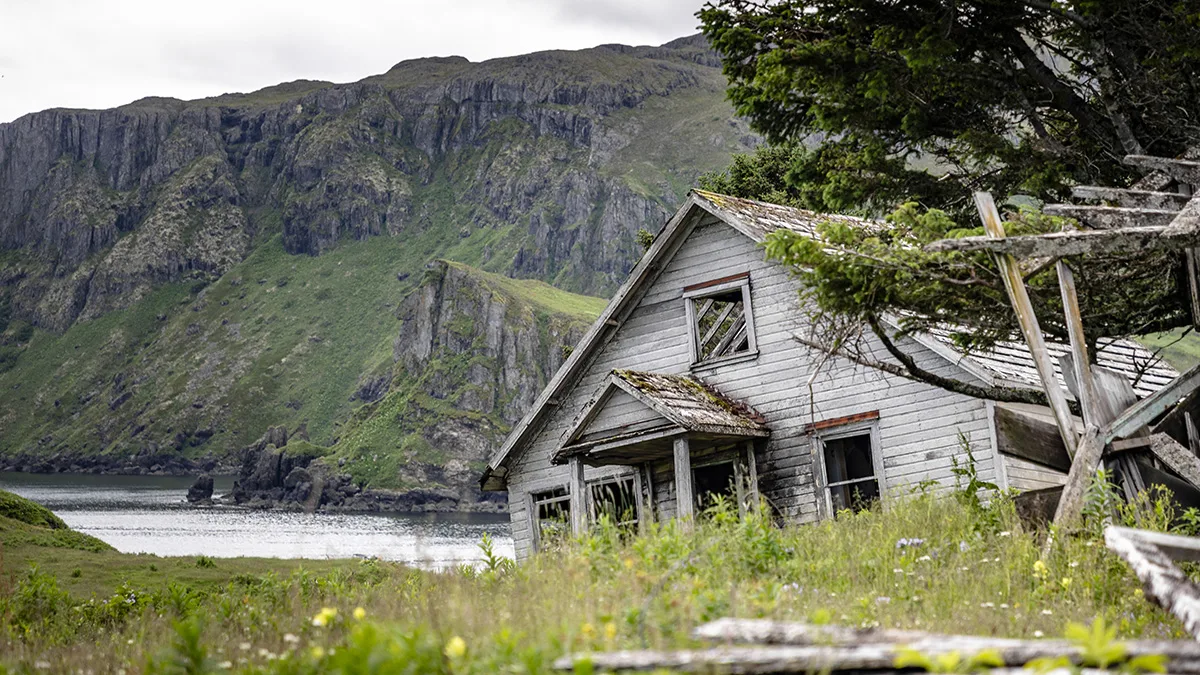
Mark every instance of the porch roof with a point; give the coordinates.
(686, 406)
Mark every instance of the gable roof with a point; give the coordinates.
(685, 403)
(755, 220)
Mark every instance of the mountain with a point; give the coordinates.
(178, 276)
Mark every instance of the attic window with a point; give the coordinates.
(720, 319)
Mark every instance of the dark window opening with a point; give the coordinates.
(552, 514)
(720, 326)
(616, 499)
(850, 472)
(712, 481)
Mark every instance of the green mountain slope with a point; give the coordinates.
(177, 277)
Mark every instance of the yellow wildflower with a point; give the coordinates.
(610, 631)
(588, 631)
(317, 652)
(1040, 571)
(456, 648)
(360, 613)
(325, 616)
(1065, 583)
(629, 563)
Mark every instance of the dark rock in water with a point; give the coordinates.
(201, 491)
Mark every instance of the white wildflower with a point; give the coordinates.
(1038, 634)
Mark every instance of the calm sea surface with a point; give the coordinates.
(149, 514)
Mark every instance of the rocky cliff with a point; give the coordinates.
(178, 276)
(472, 352)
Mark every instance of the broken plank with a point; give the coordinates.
(1083, 467)
(1177, 458)
(1146, 410)
(1162, 581)
(1082, 367)
(1113, 217)
(1030, 437)
(769, 632)
(1145, 199)
(1182, 170)
(1062, 244)
(874, 657)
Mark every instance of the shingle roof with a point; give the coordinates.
(690, 403)
(758, 219)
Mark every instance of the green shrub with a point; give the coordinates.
(29, 512)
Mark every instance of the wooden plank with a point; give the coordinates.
(716, 282)
(1082, 366)
(1083, 467)
(1031, 438)
(685, 496)
(1193, 436)
(578, 496)
(1146, 410)
(1065, 244)
(865, 657)
(1146, 199)
(1019, 296)
(1182, 170)
(1162, 581)
(1113, 217)
(1177, 458)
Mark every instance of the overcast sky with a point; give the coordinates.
(103, 53)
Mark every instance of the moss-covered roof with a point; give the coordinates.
(758, 219)
(693, 404)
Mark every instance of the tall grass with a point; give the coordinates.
(932, 564)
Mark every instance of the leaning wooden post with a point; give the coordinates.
(1088, 398)
(1015, 285)
(578, 496)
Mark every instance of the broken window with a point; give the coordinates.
(850, 472)
(551, 514)
(721, 320)
(615, 498)
(712, 481)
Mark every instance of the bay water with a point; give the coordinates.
(150, 514)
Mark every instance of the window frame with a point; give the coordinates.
(634, 478)
(869, 428)
(704, 290)
(534, 503)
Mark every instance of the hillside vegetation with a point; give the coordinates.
(945, 565)
(177, 276)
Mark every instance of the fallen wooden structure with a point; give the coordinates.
(1153, 438)
(763, 646)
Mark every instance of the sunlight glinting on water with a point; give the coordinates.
(148, 514)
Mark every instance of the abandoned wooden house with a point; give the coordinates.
(691, 384)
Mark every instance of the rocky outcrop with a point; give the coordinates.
(201, 491)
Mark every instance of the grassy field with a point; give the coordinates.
(933, 564)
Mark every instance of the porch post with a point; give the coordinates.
(685, 496)
(578, 501)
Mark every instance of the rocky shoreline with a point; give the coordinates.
(270, 475)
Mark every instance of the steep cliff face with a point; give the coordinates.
(472, 352)
(176, 277)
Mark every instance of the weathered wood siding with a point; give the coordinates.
(1024, 475)
(919, 425)
(621, 413)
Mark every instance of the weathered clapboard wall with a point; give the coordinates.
(919, 425)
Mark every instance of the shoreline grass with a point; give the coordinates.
(927, 563)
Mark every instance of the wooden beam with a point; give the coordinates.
(1145, 199)
(1182, 170)
(685, 496)
(1113, 217)
(1146, 410)
(1019, 295)
(1063, 244)
(578, 496)
(1083, 369)
(1083, 467)
(1177, 458)
(1162, 581)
